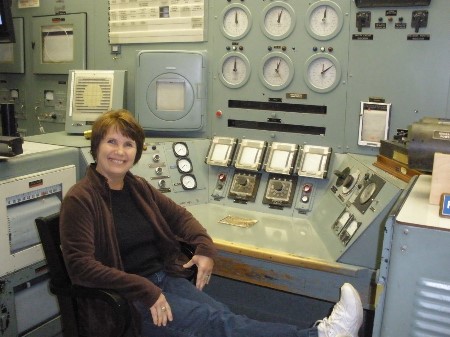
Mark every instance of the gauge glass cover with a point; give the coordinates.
(236, 21)
(277, 71)
(188, 182)
(184, 165)
(278, 20)
(322, 72)
(324, 20)
(234, 70)
(180, 149)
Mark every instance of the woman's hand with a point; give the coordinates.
(161, 311)
(204, 269)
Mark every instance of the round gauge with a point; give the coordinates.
(188, 181)
(278, 20)
(234, 70)
(324, 20)
(184, 165)
(277, 71)
(367, 193)
(322, 72)
(180, 149)
(236, 21)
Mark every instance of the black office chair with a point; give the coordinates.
(67, 293)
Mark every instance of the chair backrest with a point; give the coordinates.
(48, 229)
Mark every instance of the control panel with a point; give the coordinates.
(266, 175)
(175, 167)
(336, 202)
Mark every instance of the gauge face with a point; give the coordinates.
(184, 165)
(188, 182)
(234, 70)
(278, 20)
(236, 21)
(367, 193)
(324, 20)
(322, 72)
(180, 149)
(277, 71)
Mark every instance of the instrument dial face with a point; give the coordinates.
(324, 20)
(367, 193)
(278, 20)
(188, 182)
(184, 165)
(180, 149)
(236, 21)
(322, 72)
(277, 71)
(234, 70)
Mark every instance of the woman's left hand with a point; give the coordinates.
(204, 269)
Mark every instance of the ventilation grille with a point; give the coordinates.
(431, 315)
(92, 94)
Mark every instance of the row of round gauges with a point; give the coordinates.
(184, 166)
(324, 20)
(322, 71)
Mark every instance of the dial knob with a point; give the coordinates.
(277, 186)
(242, 180)
(348, 181)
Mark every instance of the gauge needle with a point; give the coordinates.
(324, 14)
(235, 68)
(279, 16)
(236, 18)
(325, 70)
(278, 66)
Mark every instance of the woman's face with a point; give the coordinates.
(115, 156)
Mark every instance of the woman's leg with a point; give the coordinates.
(196, 314)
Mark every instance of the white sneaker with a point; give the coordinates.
(347, 315)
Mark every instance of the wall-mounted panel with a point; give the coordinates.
(59, 43)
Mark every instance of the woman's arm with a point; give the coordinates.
(91, 252)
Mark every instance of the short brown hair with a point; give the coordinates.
(125, 123)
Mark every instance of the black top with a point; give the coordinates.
(135, 235)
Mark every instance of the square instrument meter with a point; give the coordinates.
(221, 151)
(281, 158)
(313, 161)
(250, 154)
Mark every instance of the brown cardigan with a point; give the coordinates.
(91, 251)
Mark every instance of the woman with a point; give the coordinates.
(118, 232)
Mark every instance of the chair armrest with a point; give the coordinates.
(189, 251)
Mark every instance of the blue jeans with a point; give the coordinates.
(196, 314)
